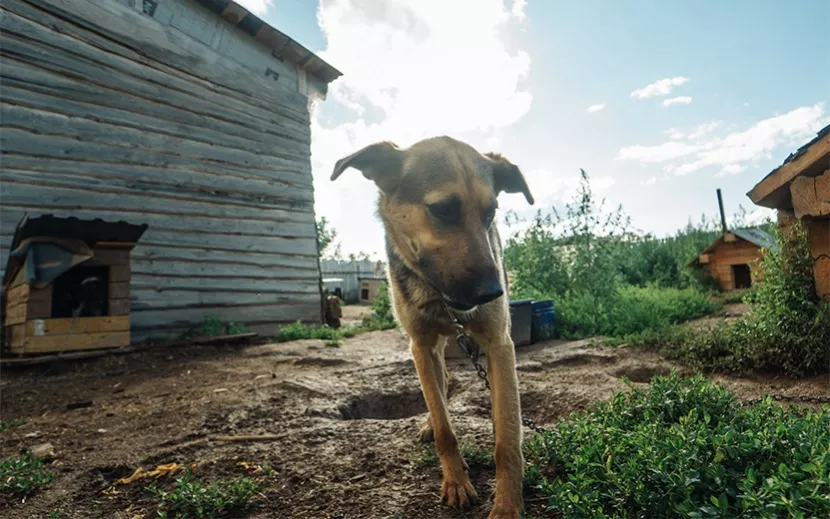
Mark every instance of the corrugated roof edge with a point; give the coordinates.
(282, 45)
(756, 236)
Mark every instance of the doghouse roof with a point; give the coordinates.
(757, 237)
(91, 232)
(810, 160)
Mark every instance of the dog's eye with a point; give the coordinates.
(447, 211)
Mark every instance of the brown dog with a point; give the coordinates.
(438, 206)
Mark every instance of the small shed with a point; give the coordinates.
(67, 284)
(730, 258)
(369, 289)
(799, 189)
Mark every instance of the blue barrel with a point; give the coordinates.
(542, 321)
(520, 321)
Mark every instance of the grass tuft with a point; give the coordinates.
(191, 499)
(23, 476)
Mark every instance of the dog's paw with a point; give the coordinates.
(459, 494)
(504, 512)
(426, 434)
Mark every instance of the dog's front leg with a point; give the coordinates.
(504, 394)
(456, 489)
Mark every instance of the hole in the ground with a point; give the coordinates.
(383, 406)
(641, 374)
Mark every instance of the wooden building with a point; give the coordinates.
(191, 116)
(731, 258)
(370, 289)
(800, 189)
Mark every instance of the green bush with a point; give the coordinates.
(299, 331)
(684, 448)
(381, 317)
(189, 498)
(632, 310)
(604, 278)
(786, 329)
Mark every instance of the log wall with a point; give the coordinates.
(110, 113)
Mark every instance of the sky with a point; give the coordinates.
(660, 102)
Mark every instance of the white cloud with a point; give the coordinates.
(659, 88)
(258, 7)
(661, 153)
(703, 130)
(674, 133)
(410, 73)
(737, 150)
(649, 181)
(595, 108)
(680, 100)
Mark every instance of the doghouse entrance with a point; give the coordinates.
(742, 276)
(83, 291)
(364, 294)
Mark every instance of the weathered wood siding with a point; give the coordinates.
(726, 254)
(109, 113)
(351, 272)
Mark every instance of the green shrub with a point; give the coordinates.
(786, 329)
(604, 278)
(23, 476)
(214, 327)
(631, 310)
(381, 317)
(299, 331)
(191, 499)
(684, 448)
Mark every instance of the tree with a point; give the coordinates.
(326, 236)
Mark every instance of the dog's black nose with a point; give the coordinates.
(489, 290)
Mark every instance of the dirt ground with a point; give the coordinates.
(344, 420)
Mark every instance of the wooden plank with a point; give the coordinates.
(282, 156)
(123, 108)
(805, 197)
(132, 35)
(46, 327)
(229, 284)
(109, 257)
(704, 258)
(16, 314)
(787, 172)
(22, 194)
(147, 271)
(239, 226)
(40, 307)
(24, 142)
(234, 123)
(156, 320)
(174, 299)
(119, 307)
(16, 336)
(119, 290)
(119, 273)
(76, 341)
(17, 295)
(818, 232)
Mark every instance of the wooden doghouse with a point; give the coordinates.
(67, 285)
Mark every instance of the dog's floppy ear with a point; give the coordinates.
(507, 177)
(382, 163)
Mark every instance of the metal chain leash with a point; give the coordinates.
(472, 350)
